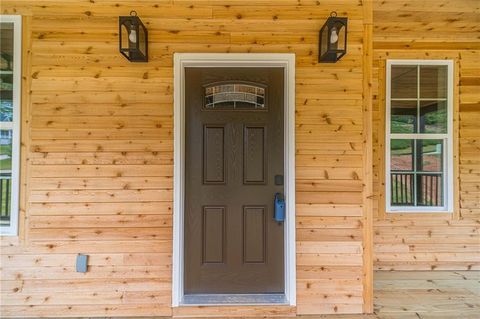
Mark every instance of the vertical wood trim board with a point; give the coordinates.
(368, 168)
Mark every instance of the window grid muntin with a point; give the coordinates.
(447, 157)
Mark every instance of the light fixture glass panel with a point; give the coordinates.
(125, 36)
(142, 40)
(341, 37)
(324, 41)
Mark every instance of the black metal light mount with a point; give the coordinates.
(333, 39)
(133, 38)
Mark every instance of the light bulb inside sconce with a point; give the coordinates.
(133, 36)
(334, 36)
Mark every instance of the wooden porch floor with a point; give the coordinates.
(427, 294)
(422, 295)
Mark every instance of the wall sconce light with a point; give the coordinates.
(333, 39)
(133, 41)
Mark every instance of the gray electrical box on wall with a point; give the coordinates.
(82, 261)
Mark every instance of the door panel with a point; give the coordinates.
(254, 155)
(213, 155)
(233, 151)
(254, 234)
(213, 234)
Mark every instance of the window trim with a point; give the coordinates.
(12, 229)
(448, 156)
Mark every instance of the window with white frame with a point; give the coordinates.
(419, 137)
(10, 63)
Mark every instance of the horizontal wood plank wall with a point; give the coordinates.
(431, 30)
(100, 150)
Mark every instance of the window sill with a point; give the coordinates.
(420, 212)
(8, 234)
(419, 215)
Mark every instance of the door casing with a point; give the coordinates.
(183, 60)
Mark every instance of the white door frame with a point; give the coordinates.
(182, 60)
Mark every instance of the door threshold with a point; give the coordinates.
(234, 299)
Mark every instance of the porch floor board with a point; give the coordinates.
(427, 294)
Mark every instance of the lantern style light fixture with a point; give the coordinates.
(133, 41)
(333, 39)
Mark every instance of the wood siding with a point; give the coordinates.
(431, 30)
(97, 154)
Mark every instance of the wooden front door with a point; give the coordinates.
(234, 165)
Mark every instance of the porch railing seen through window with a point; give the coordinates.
(429, 189)
(5, 195)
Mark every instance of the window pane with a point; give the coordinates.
(433, 117)
(404, 117)
(404, 81)
(429, 190)
(402, 189)
(6, 71)
(6, 44)
(235, 96)
(6, 110)
(5, 176)
(433, 81)
(401, 156)
(429, 155)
